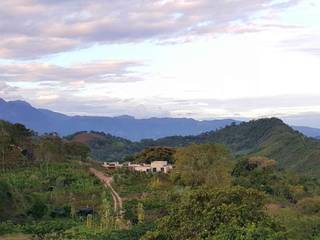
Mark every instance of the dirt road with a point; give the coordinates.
(107, 180)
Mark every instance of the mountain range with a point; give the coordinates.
(113, 138)
(46, 121)
(308, 131)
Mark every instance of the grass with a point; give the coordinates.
(16, 237)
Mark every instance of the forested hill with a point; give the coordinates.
(267, 137)
(105, 147)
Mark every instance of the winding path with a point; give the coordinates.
(107, 180)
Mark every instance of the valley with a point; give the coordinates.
(54, 188)
(160, 120)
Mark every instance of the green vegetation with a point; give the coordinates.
(206, 164)
(106, 147)
(213, 192)
(273, 139)
(234, 213)
(265, 137)
(47, 192)
(152, 154)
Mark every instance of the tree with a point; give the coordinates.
(76, 149)
(262, 174)
(209, 164)
(39, 209)
(4, 144)
(140, 213)
(51, 149)
(106, 218)
(151, 154)
(209, 213)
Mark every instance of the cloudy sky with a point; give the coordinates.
(180, 58)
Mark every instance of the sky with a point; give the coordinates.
(203, 59)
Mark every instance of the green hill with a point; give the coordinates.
(105, 147)
(266, 137)
(274, 139)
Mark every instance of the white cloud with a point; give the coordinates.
(33, 28)
(75, 75)
(229, 58)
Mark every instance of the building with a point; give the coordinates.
(142, 168)
(154, 167)
(160, 166)
(112, 165)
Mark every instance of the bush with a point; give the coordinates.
(310, 205)
(38, 210)
(9, 228)
(49, 226)
(208, 213)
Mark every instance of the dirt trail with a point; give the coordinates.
(107, 180)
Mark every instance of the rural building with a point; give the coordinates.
(154, 167)
(160, 166)
(112, 165)
(142, 168)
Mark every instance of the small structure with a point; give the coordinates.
(112, 165)
(154, 167)
(142, 168)
(160, 166)
(84, 212)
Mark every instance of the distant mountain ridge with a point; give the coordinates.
(308, 131)
(44, 121)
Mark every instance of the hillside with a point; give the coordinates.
(45, 121)
(47, 191)
(105, 147)
(267, 137)
(274, 139)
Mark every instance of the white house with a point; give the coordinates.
(154, 167)
(142, 168)
(112, 165)
(160, 166)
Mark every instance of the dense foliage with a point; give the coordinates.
(211, 194)
(206, 164)
(264, 137)
(152, 154)
(46, 188)
(105, 147)
(234, 213)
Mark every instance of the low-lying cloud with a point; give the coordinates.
(96, 72)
